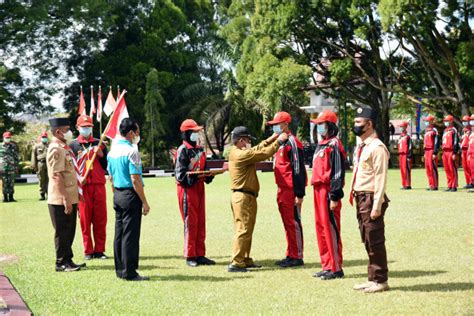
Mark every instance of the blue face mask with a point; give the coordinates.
(447, 124)
(465, 124)
(472, 123)
(194, 137)
(322, 129)
(85, 131)
(276, 129)
(44, 140)
(427, 123)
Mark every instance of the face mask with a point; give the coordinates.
(68, 136)
(44, 140)
(427, 123)
(472, 123)
(402, 129)
(194, 137)
(7, 140)
(276, 129)
(465, 124)
(85, 131)
(322, 130)
(358, 130)
(136, 140)
(447, 124)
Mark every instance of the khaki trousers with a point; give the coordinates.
(244, 209)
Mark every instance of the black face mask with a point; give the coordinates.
(358, 130)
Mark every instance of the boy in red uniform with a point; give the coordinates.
(328, 182)
(405, 151)
(191, 194)
(464, 147)
(451, 149)
(290, 177)
(470, 152)
(431, 146)
(93, 206)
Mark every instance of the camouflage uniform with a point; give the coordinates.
(9, 163)
(38, 163)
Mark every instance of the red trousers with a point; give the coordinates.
(467, 169)
(193, 211)
(471, 167)
(328, 229)
(451, 169)
(291, 217)
(93, 212)
(405, 170)
(431, 167)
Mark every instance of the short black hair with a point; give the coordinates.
(127, 125)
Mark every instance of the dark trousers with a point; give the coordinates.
(64, 231)
(128, 219)
(373, 236)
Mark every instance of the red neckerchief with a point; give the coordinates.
(82, 140)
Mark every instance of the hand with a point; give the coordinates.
(146, 208)
(283, 137)
(375, 214)
(83, 180)
(453, 157)
(274, 136)
(99, 151)
(298, 201)
(333, 205)
(434, 157)
(67, 206)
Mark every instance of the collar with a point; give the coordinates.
(82, 140)
(189, 146)
(124, 141)
(326, 140)
(370, 139)
(59, 142)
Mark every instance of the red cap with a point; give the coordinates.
(403, 124)
(280, 117)
(449, 118)
(7, 135)
(190, 124)
(429, 118)
(44, 134)
(84, 120)
(465, 118)
(326, 116)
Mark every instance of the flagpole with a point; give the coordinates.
(100, 120)
(102, 138)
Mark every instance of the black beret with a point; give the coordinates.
(59, 121)
(366, 112)
(241, 131)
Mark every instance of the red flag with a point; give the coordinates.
(99, 105)
(110, 104)
(119, 114)
(92, 103)
(82, 104)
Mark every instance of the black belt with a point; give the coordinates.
(360, 193)
(245, 191)
(124, 189)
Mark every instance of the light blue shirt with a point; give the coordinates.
(123, 161)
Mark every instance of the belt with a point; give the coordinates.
(124, 189)
(360, 193)
(245, 191)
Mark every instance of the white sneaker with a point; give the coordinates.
(377, 287)
(363, 286)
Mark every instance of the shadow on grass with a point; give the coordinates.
(140, 267)
(436, 287)
(204, 278)
(175, 257)
(400, 274)
(358, 262)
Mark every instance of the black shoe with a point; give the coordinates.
(284, 260)
(139, 278)
(253, 265)
(192, 262)
(205, 261)
(408, 188)
(321, 273)
(333, 275)
(80, 265)
(67, 268)
(5, 198)
(43, 197)
(432, 189)
(100, 255)
(447, 190)
(234, 268)
(10, 198)
(454, 189)
(88, 257)
(403, 188)
(468, 186)
(291, 262)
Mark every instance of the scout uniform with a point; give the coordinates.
(464, 147)
(245, 187)
(470, 152)
(451, 149)
(61, 166)
(9, 163)
(38, 163)
(328, 181)
(191, 194)
(431, 147)
(405, 152)
(93, 205)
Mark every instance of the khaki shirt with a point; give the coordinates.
(243, 174)
(38, 154)
(59, 160)
(372, 169)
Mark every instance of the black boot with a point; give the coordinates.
(10, 198)
(5, 198)
(42, 198)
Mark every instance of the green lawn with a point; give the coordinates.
(429, 243)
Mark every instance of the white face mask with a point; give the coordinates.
(465, 124)
(427, 123)
(136, 140)
(44, 140)
(194, 137)
(68, 136)
(7, 140)
(276, 129)
(472, 123)
(447, 124)
(402, 129)
(85, 131)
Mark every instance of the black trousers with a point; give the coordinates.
(64, 231)
(128, 219)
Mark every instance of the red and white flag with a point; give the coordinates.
(120, 113)
(93, 110)
(82, 104)
(99, 105)
(110, 104)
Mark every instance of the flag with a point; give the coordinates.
(82, 104)
(92, 103)
(110, 104)
(99, 105)
(119, 114)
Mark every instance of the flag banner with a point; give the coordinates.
(110, 104)
(92, 112)
(119, 114)
(82, 104)
(99, 105)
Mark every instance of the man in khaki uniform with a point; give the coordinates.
(369, 181)
(245, 187)
(38, 163)
(62, 193)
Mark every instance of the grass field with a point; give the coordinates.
(429, 242)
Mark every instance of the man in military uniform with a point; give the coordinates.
(9, 163)
(63, 193)
(245, 187)
(38, 163)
